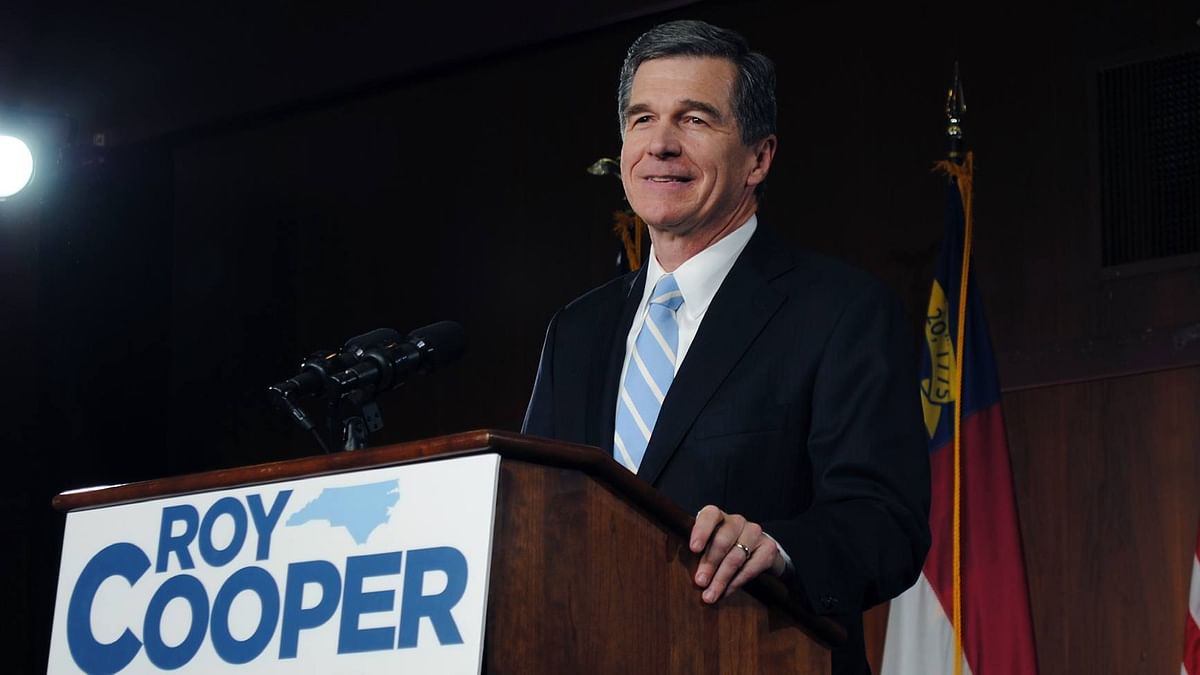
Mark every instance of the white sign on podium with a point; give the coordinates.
(379, 570)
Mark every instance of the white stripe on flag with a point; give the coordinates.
(1194, 596)
(1191, 662)
(920, 638)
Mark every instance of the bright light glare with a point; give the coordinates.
(16, 166)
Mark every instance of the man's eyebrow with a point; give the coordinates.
(636, 109)
(689, 104)
(706, 108)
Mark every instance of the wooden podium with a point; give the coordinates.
(590, 570)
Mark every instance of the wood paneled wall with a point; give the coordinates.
(1108, 488)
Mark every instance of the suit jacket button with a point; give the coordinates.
(829, 602)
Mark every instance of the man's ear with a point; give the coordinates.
(764, 154)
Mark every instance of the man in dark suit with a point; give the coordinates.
(772, 392)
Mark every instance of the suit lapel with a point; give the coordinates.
(739, 311)
(608, 359)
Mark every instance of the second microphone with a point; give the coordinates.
(386, 365)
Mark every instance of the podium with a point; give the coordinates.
(589, 573)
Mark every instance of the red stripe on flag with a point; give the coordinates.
(1191, 646)
(997, 631)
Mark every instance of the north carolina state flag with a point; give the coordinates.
(995, 627)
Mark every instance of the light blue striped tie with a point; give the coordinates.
(648, 375)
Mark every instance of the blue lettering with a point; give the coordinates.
(356, 602)
(225, 506)
(188, 588)
(295, 617)
(92, 656)
(265, 521)
(255, 580)
(169, 543)
(283, 612)
(437, 607)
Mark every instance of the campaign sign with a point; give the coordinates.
(381, 570)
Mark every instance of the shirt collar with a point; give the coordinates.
(700, 276)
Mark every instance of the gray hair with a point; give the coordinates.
(753, 95)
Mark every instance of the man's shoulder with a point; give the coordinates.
(829, 276)
(823, 290)
(829, 269)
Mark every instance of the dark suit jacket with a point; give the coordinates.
(796, 406)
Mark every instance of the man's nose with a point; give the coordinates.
(665, 142)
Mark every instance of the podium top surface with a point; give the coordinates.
(507, 444)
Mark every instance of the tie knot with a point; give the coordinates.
(666, 293)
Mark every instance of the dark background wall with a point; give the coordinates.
(264, 195)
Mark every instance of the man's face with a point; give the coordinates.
(683, 163)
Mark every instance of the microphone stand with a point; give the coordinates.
(351, 415)
(297, 414)
(363, 418)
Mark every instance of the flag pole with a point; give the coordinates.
(959, 166)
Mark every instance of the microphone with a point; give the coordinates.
(385, 364)
(316, 370)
